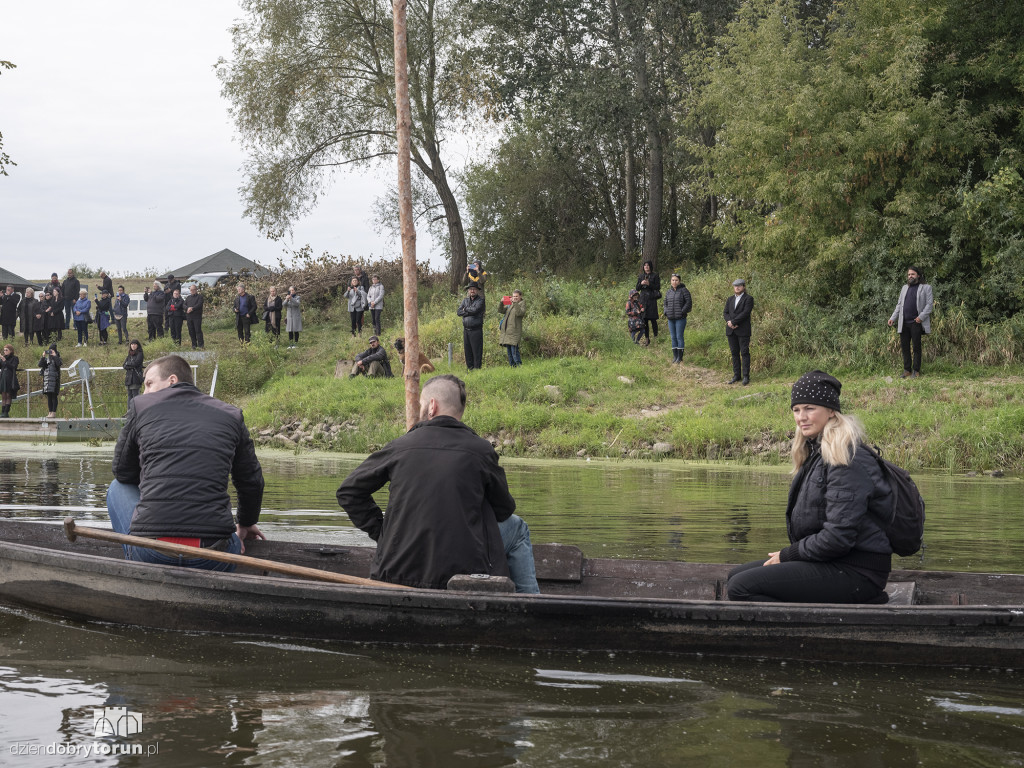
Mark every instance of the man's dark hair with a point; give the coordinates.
(10, 286)
(920, 274)
(174, 365)
(120, 287)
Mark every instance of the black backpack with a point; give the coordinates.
(904, 524)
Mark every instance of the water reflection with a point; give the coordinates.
(210, 700)
(667, 510)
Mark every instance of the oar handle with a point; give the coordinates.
(167, 547)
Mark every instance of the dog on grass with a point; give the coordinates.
(425, 365)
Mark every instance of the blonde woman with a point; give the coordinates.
(838, 553)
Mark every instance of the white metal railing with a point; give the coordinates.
(80, 374)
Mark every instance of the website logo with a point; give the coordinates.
(116, 721)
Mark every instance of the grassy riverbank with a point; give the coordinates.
(585, 389)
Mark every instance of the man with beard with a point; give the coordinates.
(913, 318)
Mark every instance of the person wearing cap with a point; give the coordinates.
(737, 330)
(471, 310)
(449, 507)
(838, 552)
(913, 314)
(373, 362)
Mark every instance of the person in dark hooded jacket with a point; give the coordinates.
(472, 310)
(649, 285)
(133, 369)
(838, 551)
(49, 368)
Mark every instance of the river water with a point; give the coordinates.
(208, 700)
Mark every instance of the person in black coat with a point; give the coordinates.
(449, 508)
(471, 310)
(838, 551)
(69, 289)
(156, 307)
(678, 304)
(737, 330)
(9, 385)
(176, 315)
(53, 315)
(649, 285)
(49, 368)
(194, 316)
(160, 491)
(133, 369)
(9, 302)
(31, 314)
(245, 311)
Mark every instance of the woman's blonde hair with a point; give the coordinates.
(839, 440)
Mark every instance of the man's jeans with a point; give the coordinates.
(121, 501)
(515, 535)
(514, 358)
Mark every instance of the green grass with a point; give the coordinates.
(966, 413)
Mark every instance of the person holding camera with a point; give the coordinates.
(49, 368)
(293, 322)
(194, 316)
(511, 326)
(119, 306)
(82, 318)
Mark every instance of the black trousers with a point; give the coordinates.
(653, 325)
(155, 325)
(175, 323)
(195, 331)
(357, 321)
(242, 323)
(473, 344)
(910, 340)
(375, 315)
(800, 581)
(51, 401)
(9, 329)
(740, 348)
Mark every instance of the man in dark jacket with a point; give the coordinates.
(373, 362)
(471, 310)
(156, 305)
(362, 277)
(69, 289)
(194, 316)
(449, 507)
(737, 329)
(245, 310)
(182, 495)
(9, 302)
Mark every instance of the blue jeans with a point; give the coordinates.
(513, 355)
(675, 331)
(121, 501)
(515, 535)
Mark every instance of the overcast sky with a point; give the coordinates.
(126, 154)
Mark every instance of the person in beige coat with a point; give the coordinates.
(512, 327)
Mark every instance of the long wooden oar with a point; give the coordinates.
(169, 548)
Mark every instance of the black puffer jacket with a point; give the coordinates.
(447, 495)
(132, 365)
(472, 311)
(831, 513)
(678, 302)
(184, 488)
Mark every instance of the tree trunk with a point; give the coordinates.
(655, 193)
(629, 227)
(409, 285)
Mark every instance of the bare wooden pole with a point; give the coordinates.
(404, 116)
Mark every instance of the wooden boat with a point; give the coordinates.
(589, 604)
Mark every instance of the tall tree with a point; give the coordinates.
(5, 159)
(312, 89)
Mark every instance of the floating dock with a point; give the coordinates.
(60, 430)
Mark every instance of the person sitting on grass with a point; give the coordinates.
(373, 362)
